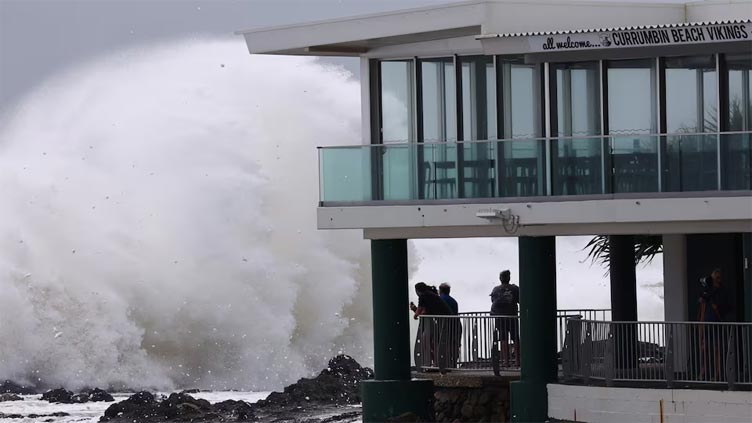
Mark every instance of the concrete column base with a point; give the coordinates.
(384, 399)
(529, 402)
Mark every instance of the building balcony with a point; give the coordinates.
(556, 169)
(616, 184)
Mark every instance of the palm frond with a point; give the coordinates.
(646, 248)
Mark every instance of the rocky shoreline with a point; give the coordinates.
(328, 397)
(331, 396)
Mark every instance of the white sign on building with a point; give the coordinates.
(648, 37)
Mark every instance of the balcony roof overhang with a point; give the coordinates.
(492, 22)
(357, 35)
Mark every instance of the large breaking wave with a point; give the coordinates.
(157, 223)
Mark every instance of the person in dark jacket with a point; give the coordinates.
(433, 333)
(504, 300)
(455, 325)
(714, 306)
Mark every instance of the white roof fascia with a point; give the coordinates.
(520, 17)
(718, 10)
(437, 48)
(304, 38)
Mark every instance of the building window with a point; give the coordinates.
(632, 104)
(691, 157)
(438, 102)
(478, 117)
(396, 101)
(522, 157)
(576, 159)
(736, 149)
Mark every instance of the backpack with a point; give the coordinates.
(506, 295)
(502, 300)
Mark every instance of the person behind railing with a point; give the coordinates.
(455, 326)
(714, 306)
(504, 300)
(434, 334)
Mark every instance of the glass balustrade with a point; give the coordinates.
(515, 168)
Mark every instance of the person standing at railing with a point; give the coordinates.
(434, 335)
(504, 300)
(714, 306)
(455, 327)
(444, 289)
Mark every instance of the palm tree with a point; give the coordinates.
(648, 246)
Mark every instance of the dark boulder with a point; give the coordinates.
(79, 398)
(98, 395)
(181, 405)
(339, 384)
(138, 407)
(236, 410)
(59, 395)
(178, 407)
(10, 387)
(56, 414)
(10, 397)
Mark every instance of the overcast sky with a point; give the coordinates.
(39, 37)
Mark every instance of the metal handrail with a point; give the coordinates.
(658, 353)
(405, 143)
(477, 342)
(467, 342)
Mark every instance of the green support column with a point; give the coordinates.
(747, 275)
(623, 276)
(537, 329)
(392, 392)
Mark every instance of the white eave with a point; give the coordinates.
(412, 28)
(622, 28)
(355, 36)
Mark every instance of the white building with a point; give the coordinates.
(543, 118)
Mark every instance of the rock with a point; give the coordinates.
(405, 417)
(10, 397)
(238, 410)
(10, 387)
(339, 384)
(98, 395)
(329, 392)
(33, 416)
(178, 407)
(484, 398)
(190, 391)
(136, 407)
(467, 411)
(79, 398)
(57, 414)
(59, 395)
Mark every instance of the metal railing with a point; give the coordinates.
(471, 341)
(670, 354)
(480, 341)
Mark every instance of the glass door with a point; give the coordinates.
(632, 105)
(396, 158)
(438, 153)
(576, 154)
(736, 149)
(691, 155)
(478, 119)
(521, 157)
